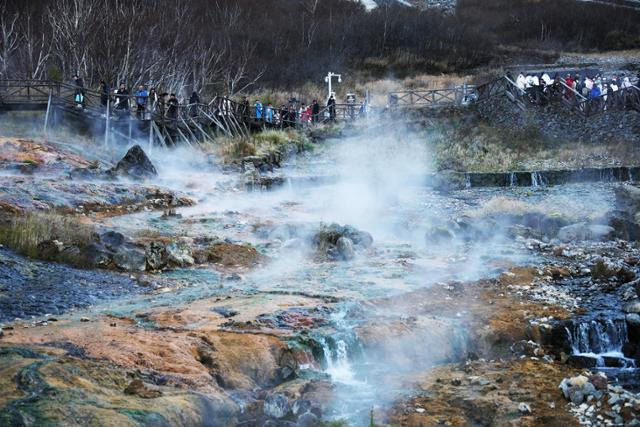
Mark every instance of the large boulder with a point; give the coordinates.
(130, 258)
(582, 231)
(628, 199)
(179, 255)
(276, 406)
(337, 242)
(135, 164)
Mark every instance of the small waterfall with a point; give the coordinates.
(513, 179)
(467, 181)
(606, 175)
(630, 177)
(602, 340)
(537, 180)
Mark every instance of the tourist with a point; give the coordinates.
(258, 110)
(244, 109)
(315, 110)
(292, 116)
(153, 102)
(104, 93)
(194, 101)
(302, 110)
(521, 82)
(306, 115)
(284, 116)
(568, 93)
(78, 95)
(142, 97)
(269, 113)
(172, 110)
(122, 99)
(331, 103)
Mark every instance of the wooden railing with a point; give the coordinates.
(431, 97)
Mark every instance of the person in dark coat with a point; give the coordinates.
(122, 98)
(78, 95)
(193, 103)
(331, 103)
(104, 93)
(315, 111)
(172, 111)
(245, 109)
(284, 116)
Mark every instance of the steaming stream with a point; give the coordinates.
(376, 186)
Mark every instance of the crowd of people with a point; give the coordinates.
(144, 102)
(592, 90)
(147, 103)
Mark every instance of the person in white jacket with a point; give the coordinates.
(521, 82)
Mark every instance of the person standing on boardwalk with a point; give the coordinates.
(104, 93)
(315, 111)
(172, 111)
(258, 108)
(331, 103)
(122, 99)
(193, 104)
(142, 96)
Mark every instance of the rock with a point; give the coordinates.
(308, 419)
(603, 270)
(155, 256)
(580, 361)
(96, 255)
(140, 389)
(344, 245)
(576, 396)
(178, 255)
(84, 319)
(599, 381)
(112, 239)
(135, 164)
(300, 407)
(582, 231)
(524, 408)
(276, 406)
(632, 307)
(439, 235)
(627, 199)
(327, 241)
(1, 333)
(225, 312)
(573, 388)
(633, 327)
(130, 259)
(49, 250)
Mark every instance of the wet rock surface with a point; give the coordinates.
(34, 288)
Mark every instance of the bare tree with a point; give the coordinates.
(9, 38)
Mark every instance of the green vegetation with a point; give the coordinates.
(35, 234)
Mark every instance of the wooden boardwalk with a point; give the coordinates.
(187, 123)
(559, 93)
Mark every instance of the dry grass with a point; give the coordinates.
(572, 208)
(25, 233)
(232, 149)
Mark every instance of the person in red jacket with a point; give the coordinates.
(309, 113)
(569, 81)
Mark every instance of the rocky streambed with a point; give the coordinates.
(364, 298)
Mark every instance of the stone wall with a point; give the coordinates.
(557, 122)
